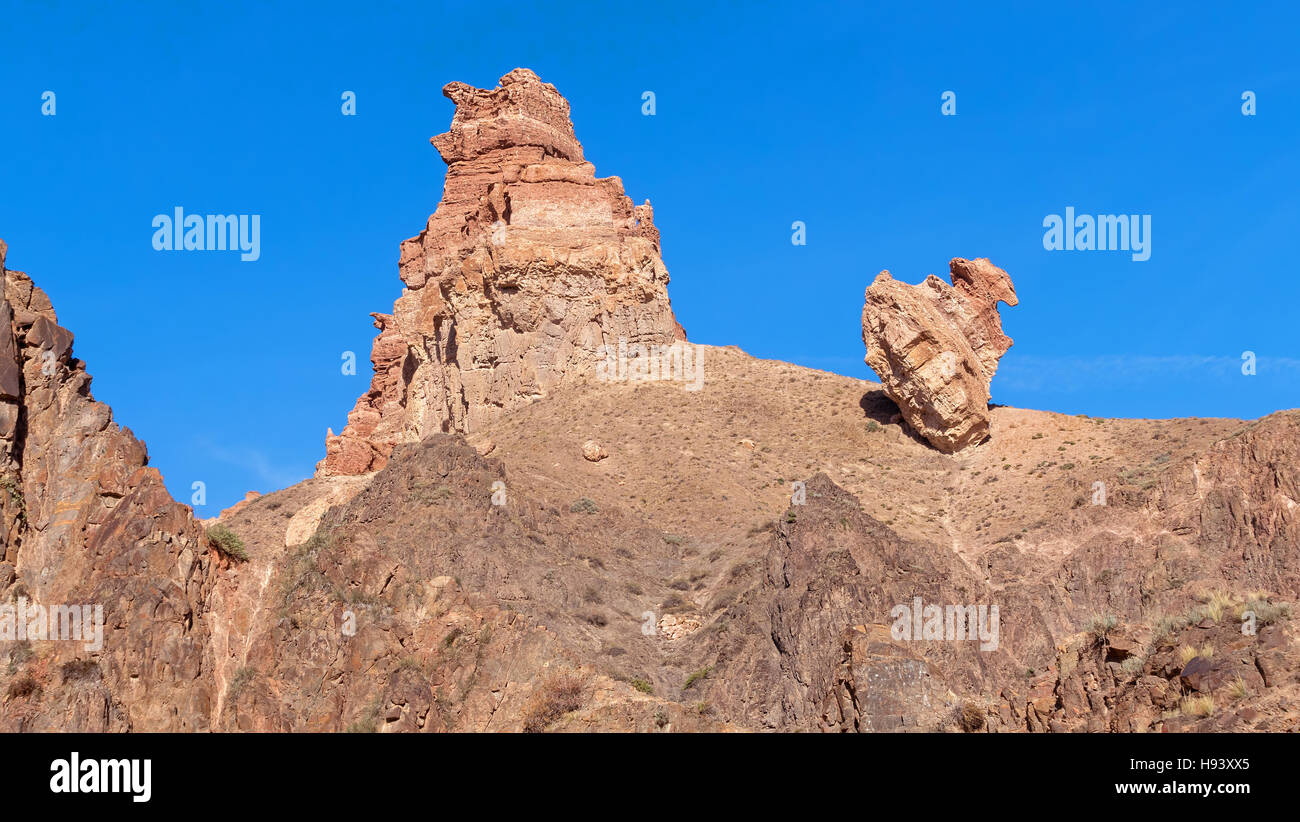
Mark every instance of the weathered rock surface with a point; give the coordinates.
(528, 265)
(87, 522)
(593, 451)
(936, 348)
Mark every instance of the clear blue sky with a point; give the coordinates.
(766, 114)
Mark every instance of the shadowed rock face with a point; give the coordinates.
(936, 348)
(529, 264)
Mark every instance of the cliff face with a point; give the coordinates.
(86, 522)
(528, 265)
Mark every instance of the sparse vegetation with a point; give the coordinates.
(1265, 612)
(23, 687)
(556, 697)
(1100, 625)
(227, 542)
(77, 670)
(19, 655)
(697, 677)
(970, 717)
(1219, 602)
(1197, 705)
(1237, 689)
(368, 721)
(643, 686)
(426, 493)
(11, 487)
(241, 680)
(661, 718)
(584, 505)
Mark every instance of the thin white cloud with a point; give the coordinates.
(1075, 373)
(270, 476)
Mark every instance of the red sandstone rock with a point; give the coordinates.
(83, 519)
(529, 264)
(936, 347)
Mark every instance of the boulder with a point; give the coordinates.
(936, 348)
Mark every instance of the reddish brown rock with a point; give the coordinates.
(86, 522)
(936, 347)
(529, 264)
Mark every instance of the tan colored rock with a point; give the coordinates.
(305, 521)
(593, 451)
(528, 266)
(674, 627)
(936, 348)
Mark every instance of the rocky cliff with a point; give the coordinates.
(88, 523)
(528, 265)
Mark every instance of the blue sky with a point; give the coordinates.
(765, 114)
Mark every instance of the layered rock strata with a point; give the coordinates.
(529, 264)
(936, 348)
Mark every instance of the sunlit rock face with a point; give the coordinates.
(936, 348)
(528, 266)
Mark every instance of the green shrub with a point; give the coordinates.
(697, 677)
(227, 542)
